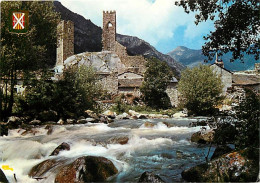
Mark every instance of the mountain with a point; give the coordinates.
(88, 37)
(191, 58)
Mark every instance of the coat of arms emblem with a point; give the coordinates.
(19, 21)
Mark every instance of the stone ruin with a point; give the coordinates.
(118, 72)
(65, 41)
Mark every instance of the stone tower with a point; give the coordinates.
(65, 41)
(109, 30)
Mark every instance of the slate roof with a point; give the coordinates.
(222, 68)
(245, 79)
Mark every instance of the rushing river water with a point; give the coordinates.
(165, 151)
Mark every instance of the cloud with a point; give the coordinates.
(151, 20)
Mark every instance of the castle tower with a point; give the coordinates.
(109, 30)
(65, 41)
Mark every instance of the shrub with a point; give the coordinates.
(70, 96)
(200, 89)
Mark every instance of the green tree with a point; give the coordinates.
(156, 78)
(200, 89)
(236, 25)
(248, 115)
(77, 91)
(25, 52)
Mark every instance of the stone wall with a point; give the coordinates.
(132, 63)
(110, 83)
(134, 91)
(65, 41)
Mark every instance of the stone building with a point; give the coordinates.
(225, 75)
(65, 41)
(130, 82)
(235, 83)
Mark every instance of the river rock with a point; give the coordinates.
(91, 120)
(82, 121)
(103, 119)
(133, 113)
(71, 121)
(203, 137)
(49, 115)
(123, 116)
(31, 131)
(231, 167)
(110, 114)
(150, 177)
(198, 123)
(142, 116)
(118, 140)
(148, 124)
(86, 169)
(43, 167)
(3, 177)
(179, 115)
(168, 124)
(89, 113)
(61, 147)
(195, 174)
(14, 122)
(60, 122)
(35, 122)
(49, 129)
(220, 150)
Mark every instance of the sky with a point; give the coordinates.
(159, 22)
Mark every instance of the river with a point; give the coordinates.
(165, 151)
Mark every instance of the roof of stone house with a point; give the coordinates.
(244, 79)
(222, 68)
(130, 72)
(129, 83)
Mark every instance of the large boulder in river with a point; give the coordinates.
(86, 169)
(203, 137)
(221, 150)
(150, 177)
(118, 140)
(232, 167)
(61, 147)
(14, 122)
(43, 167)
(3, 177)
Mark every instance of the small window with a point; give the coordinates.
(109, 25)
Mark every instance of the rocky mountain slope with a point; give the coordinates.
(87, 37)
(191, 58)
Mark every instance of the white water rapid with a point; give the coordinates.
(163, 150)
